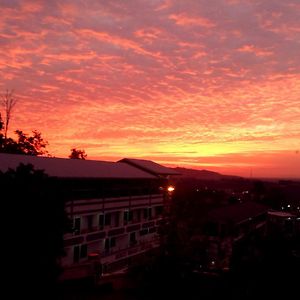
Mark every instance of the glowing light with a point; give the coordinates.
(170, 188)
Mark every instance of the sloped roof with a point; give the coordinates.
(149, 166)
(74, 168)
(237, 213)
(281, 214)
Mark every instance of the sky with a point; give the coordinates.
(203, 84)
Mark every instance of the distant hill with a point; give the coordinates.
(203, 174)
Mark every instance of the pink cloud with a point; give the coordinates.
(162, 79)
(185, 20)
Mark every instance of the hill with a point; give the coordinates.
(203, 174)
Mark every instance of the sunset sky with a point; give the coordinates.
(205, 84)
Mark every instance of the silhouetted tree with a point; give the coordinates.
(8, 102)
(37, 221)
(77, 154)
(1, 135)
(25, 144)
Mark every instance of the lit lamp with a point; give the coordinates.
(170, 189)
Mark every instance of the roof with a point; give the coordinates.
(237, 213)
(281, 214)
(74, 168)
(149, 166)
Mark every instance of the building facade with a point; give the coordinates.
(115, 210)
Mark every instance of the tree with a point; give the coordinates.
(29, 145)
(8, 102)
(37, 220)
(77, 154)
(25, 144)
(1, 135)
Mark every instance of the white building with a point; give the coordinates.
(115, 207)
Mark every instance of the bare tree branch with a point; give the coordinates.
(8, 102)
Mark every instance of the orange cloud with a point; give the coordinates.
(197, 84)
(185, 20)
(256, 51)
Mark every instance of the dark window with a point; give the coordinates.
(126, 216)
(152, 229)
(106, 246)
(83, 251)
(112, 242)
(90, 222)
(147, 213)
(109, 243)
(101, 221)
(77, 222)
(130, 216)
(159, 210)
(138, 215)
(117, 222)
(132, 238)
(107, 219)
(144, 231)
(76, 254)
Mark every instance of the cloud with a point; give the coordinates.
(147, 77)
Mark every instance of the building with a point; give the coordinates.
(115, 208)
(229, 233)
(283, 224)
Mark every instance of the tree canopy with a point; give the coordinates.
(37, 222)
(24, 144)
(77, 154)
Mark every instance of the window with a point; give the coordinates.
(152, 230)
(107, 219)
(132, 238)
(77, 222)
(137, 217)
(110, 243)
(117, 221)
(147, 213)
(83, 251)
(159, 210)
(90, 222)
(101, 221)
(128, 215)
(76, 254)
(144, 232)
(106, 246)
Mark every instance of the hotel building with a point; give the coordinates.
(115, 209)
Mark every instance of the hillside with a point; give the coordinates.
(202, 174)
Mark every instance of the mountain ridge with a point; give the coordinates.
(203, 174)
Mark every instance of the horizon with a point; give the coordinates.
(193, 84)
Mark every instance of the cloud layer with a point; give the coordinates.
(175, 81)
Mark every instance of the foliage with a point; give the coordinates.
(77, 154)
(25, 144)
(37, 221)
